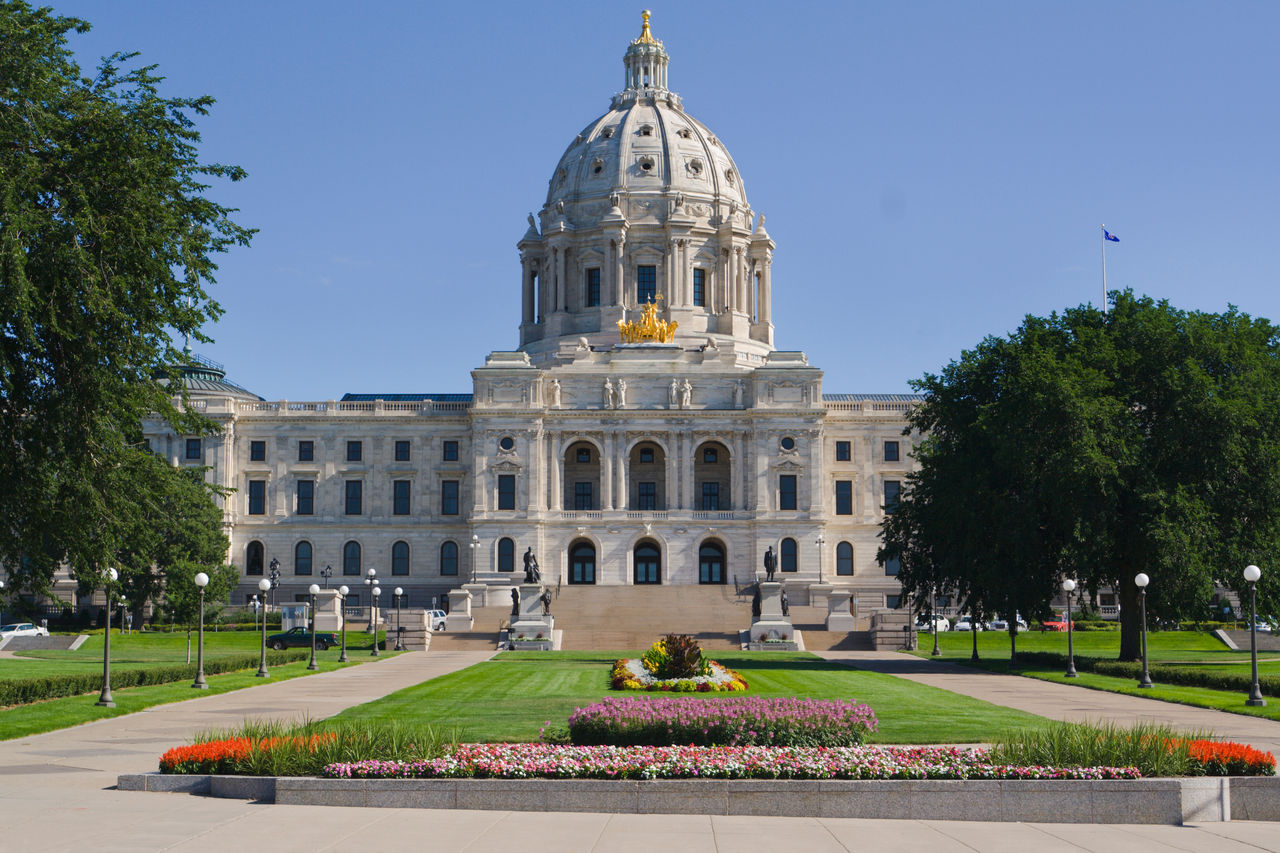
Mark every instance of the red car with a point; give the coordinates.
(1058, 624)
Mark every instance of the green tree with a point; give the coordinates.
(106, 246)
(1099, 445)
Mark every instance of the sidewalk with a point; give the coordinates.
(1064, 702)
(56, 795)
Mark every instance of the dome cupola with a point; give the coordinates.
(646, 205)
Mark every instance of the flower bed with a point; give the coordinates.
(224, 756)
(738, 721)
(533, 760)
(1219, 758)
(631, 674)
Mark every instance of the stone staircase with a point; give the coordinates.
(630, 618)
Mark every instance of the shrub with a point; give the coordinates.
(22, 691)
(724, 722)
(1155, 750)
(675, 656)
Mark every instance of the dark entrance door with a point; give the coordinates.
(648, 561)
(582, 563)
(711, 563)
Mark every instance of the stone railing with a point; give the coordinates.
(329, 408)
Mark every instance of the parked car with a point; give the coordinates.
(296, 637)
(999, 624)
(1058, 623)
(923, 623)
(22, 629)
(965, 623)
(437, 619)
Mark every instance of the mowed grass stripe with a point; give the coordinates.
(511, 697)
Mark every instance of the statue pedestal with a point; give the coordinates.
(772, 629)
(459, 616)
(328, 614)
(479, 594)
(839, 618)
(530, 623)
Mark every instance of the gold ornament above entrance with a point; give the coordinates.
(649, 328)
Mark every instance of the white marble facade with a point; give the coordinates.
(616, 463)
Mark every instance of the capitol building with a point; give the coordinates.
(646, 431)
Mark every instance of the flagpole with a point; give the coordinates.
(1102, 235)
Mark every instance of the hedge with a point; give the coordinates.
(22, 691)
(1160, 672)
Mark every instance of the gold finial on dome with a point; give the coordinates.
(646, 37)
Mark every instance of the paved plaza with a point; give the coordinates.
(56, 789)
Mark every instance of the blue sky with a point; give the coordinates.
(931, 171)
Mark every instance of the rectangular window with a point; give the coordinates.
(306, 497)
(400, 497)
(646, 284)
(582, 496)
(355, 451)
(647, 496)
(306, 451)
(355, 495)
(892, 491)
(451, 451)
(402, 451)
(891, 451)
(257, 497)
(506, 491)
(891, 566)
(193, 448)
(700, 287)
(844, 451)
(593, 287)
(711, 496)
(844, 497)
(257, 451)
(351, 600)
(448, 497)
(787, 491)
(893, 602)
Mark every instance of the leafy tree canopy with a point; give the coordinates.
(1096, 446)
(106, 246)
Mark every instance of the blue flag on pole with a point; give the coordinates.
(1109, 236)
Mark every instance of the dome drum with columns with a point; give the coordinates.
(646, 205)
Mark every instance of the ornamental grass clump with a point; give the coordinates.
(738, 721)
(1156, 750)
(675, 656)
(268, 748)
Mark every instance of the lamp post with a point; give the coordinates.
(399, 640)
(1068, 586)
(326, 573)
(1251, 574)
(253, 602)
(377, 591)
(343, 590)
(104, 698)
(820, 541)
(474, 545)
(933, 617)
(1142, 580)
(202, 580)
(371, 578)
(122, 603)
(314, 589)
(263, 586)
(274, 566)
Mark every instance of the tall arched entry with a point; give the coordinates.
(582, 562)
(648, 563)
(711, 562)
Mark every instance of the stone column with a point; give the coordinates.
(737, 471)
(669, 489)
(619, 272)
(526, 272)
(623, 488)
(687, 458)
(606, 471)
(766, 289)
(562, 265)
(554, 460)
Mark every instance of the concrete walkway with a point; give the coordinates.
(56, 795)
(1064, 702)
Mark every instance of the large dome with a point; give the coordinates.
(646, 206)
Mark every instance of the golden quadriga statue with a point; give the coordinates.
(649, 328)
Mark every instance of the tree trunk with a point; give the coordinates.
(1130, 621)
(1013, 643)
(973, 629)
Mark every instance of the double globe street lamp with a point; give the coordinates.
(399, 593)
(104, 698)
(342, 591)
(263, 586)
(377, 591)
(202, 580)
(1251, 574)
(314, 589)
(1068, 586)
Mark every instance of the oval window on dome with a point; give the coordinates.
(695, 167)
(684, 133)
(597, 166)
(729, 176)
(645, 130)
(607, 133)
(647, 164)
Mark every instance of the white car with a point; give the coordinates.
(1002, 625)
(965, 623)
(22, 629)
(923, 624)
(437, 619)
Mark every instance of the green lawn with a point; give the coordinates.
(514, 695)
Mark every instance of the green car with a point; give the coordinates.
(296, 637)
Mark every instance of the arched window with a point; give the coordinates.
(711, 562)
(648, 563)
(351, 558)
(788, 555)
(506, 555)
(582, 563)
(302, 558)
(844, 559)
(253, 558)
(400, 558)
(449, 558)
